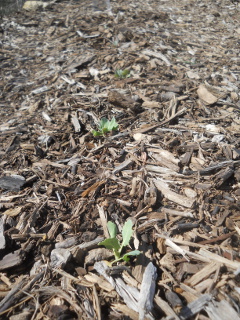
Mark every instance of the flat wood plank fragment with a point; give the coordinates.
(203, 273)
(157, 55)
(215, 257)
(122, 166)
(173, 196)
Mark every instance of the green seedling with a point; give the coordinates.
(105, 126)
(122, 73)
(113, 243)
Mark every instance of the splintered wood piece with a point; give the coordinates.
(18, 291)
(76, 124)
(204, 285)
(218, 166)
(183, 227)
(95, 279)
(165, 154)
(129, 294)
(173, 212)
(122, 166)
(202, 274)
(158, 55)
(69, 242)
(163, 171)
(175, 247)
(12, 212)
(141, 261)
(80, 280)
(125, 310)
(164, 162)
(96, 304)
(219, 238)
(165, 307)
(173, 196)
(103, 219)
(155, 126)
(93, 188)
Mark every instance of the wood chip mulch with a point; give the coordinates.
(172, 167)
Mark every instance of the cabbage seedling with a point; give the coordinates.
(105, 126)
(113, 243)
(122, 73)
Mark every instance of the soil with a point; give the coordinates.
(168, 73)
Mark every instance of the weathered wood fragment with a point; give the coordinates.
(173, 196)
(194, 307)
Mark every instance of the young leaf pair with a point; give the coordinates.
(122, 73)
(113, 243)
(105, 126)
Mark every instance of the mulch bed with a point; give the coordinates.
(172, 166)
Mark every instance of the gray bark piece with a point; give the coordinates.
(66, 243)
(147, 291)
(12, 183)
(11, 260)
(221, 311)
(60, 257)
(194, 307)
(2, 238)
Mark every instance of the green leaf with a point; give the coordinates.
(125, 257)
(112, 125)
(105, 130)
(112, 228)
(110, 243)
(132, 253)
(118, 73)
(103, 123)
(125, 73)
(96, 133)
(122, 73)
(127, 233)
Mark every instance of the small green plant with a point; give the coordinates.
(105, 126)
(113, 243)
(122, 73)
